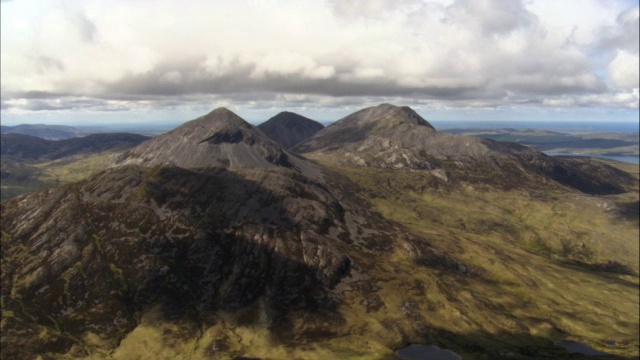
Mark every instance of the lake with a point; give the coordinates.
(627, 159)
(426, 352)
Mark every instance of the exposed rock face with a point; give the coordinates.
(219, 219)
(91, 255)
(220, 138)
(289, 129)
(387, 136)
(375, 128)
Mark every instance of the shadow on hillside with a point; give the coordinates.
(340, 139)
(483, 345)
(610, 271)
(197, 242)
(629, 211)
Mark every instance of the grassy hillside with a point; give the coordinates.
(31, 163)
(550, 266)
(513, 272)
(19, 177)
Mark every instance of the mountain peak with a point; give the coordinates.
(219, 139)
(385, 121)
(219, 117)
(388, 115)
(288, 128)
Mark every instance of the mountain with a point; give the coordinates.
(49, 132)
(218, 220)
(220, 138)
(250, 251)
(371, 127)
(392, 137)
(32, 148)
(101, 251)
(289, 129)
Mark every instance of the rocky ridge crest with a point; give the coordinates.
(392, 137)
(220, 138)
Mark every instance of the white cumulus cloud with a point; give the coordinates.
(458, 53)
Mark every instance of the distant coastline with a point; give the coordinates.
(569, 127)
(627, 159)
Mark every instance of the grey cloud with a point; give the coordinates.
(46, 63)
(526, 82)
(62, 103)
(86, 27)
(366, 9)
(38, 95)
(195, 79)
(624, 36)
(474, 71)
(548, 73)
(491, 17)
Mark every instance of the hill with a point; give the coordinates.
(289, 129)
(30, 163)
(49, 132)
(32, 148)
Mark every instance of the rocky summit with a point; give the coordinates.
(220, 138)
(289, 129)
(393, 137)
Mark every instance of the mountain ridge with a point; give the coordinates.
(49, 132)
(34, 148)
(392, 137)
(219, 138)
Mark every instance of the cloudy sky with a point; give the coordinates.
(94, 61)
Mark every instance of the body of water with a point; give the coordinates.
(570, 127)
(627, 159)
(426, 352)
(579, 348)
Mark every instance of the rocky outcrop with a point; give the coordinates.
(89, 257)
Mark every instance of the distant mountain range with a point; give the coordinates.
(30, 163)
(217, 241)
(34, 148)
(49, 132)
(605, 143)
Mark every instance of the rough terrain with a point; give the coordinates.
(247, 250)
